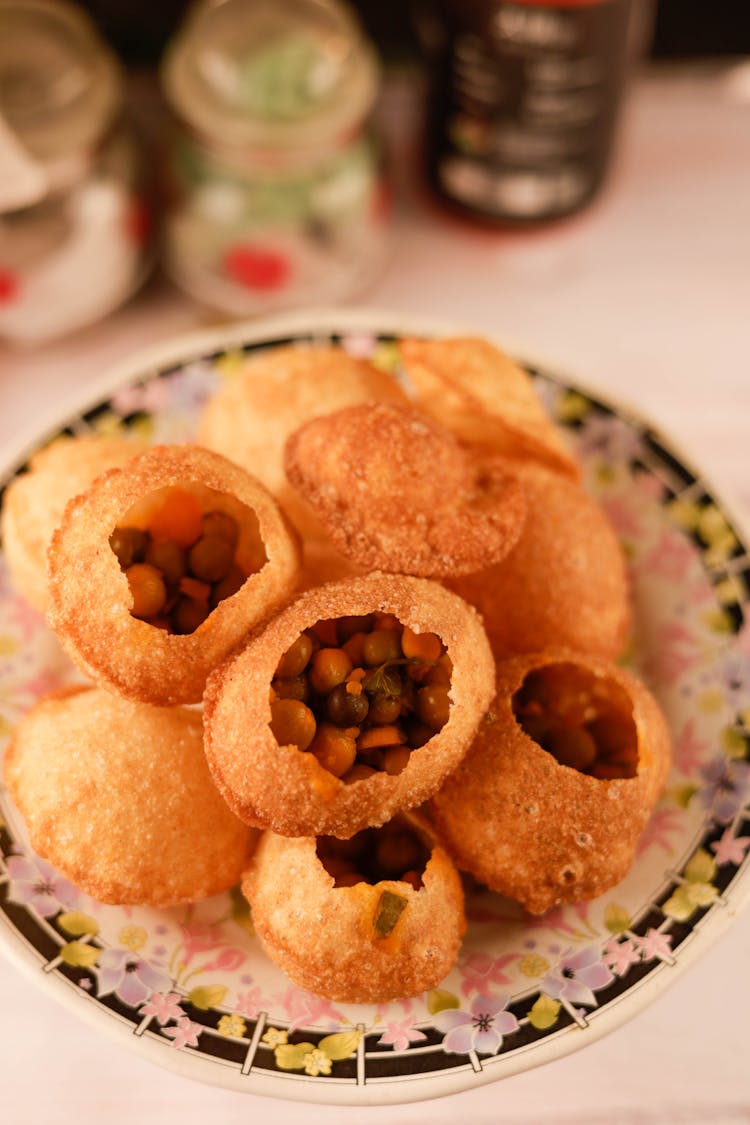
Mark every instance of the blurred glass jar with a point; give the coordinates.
(275, 196)
(73, 215)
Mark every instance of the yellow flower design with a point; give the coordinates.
(275, 1037)
(133, 938)
(532, 965)
(232, 1027)
(229, 363)
(317, 1062)
(572, 406)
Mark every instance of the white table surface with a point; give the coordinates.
(647, 297)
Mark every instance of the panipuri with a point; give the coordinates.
(34, 502)
(259, 406)
(564, 582)
(353, 703)
(548, 804)
(118, 797)
(484, 397)
(161, 567)
(371, 919)
(395, 491)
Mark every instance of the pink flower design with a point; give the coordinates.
(658, 829)
(730, 848)
(625, 517)
(185, 1033)
(34, 883)
(620, 955)
(163, 1007)
(361, 345)
(480, 1029)
(671, 557)
(150, 397)
(399, 1034)
(689, 750)
(673, 651)
(575, 977)
(305, 1009)
(249, 1003)
(131, 978)
(228, 961)
(479, 971)
(655, 944)
(199, 937)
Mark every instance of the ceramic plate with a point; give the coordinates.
(190, 987)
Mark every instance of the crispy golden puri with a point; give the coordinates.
(564, 582)
(34, 503)
(485, 398)
(91, 599)
(372, 939)
(286, 788)
(118, 797)
(256, 410)
(395, 491)
(528, 825)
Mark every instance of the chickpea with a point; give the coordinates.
(129, 545)
(147, 589)
(433, 705)
(334, 748)
(421, 646)
(292, 723)
(572, 746)
(329, 667)
(381, 646)
(296, 658)
(211, 558)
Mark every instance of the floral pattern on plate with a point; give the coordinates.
(194, 980)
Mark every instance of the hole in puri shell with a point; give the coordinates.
(395, 851)
(185, 549)
(361, 693)
(584, 721)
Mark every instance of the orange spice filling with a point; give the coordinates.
(360, 693)
(184, 550)
(584, 721)
(393, 852)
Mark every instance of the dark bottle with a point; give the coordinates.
(524, 103)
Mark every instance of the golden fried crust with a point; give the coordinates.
(282, 788)
(323, 937)
(34, 503)
(485, 398)
(90, 598)
(538, 831)
(564, 582)
(257, 409)
(117, 796)
(396, 492)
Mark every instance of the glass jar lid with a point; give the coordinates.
(270, 74)
(60, 85)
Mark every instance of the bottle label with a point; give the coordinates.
(526, 105)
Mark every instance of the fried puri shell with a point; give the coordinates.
(118, 797)
(255, 411)
(396, 491)
(538, 831)
(323, 936)
(485, 398)
(564, 582)
(34, 503)
(90, 599)
(287, 790)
